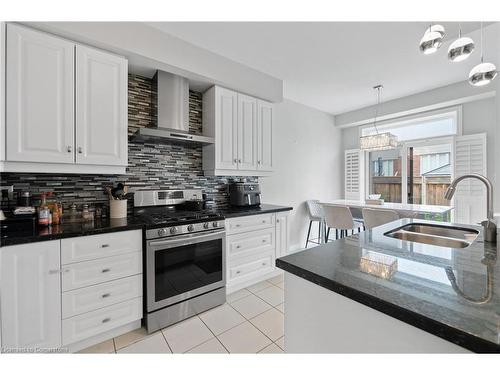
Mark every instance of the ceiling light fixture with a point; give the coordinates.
(483, 73)
(378, 141)
(461, 48)
(432, 39)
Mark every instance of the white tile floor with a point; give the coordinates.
(250, 322)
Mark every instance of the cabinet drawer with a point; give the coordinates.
(93, 272)
(249, 223)
(247, 243)
(94, 297)
(263, 263)
(80, 249)
(93, 323)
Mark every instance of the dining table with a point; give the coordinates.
(405, 210)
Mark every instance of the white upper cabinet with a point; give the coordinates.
(226, 129)
(247, 132)
(242, 127)
(30, 290)
(66, 106)
(265, 124)
(101, 110)
(40, 97)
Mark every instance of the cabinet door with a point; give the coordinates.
(282, 234)
(40, 97)
(31, 295)
(226, 129)
(265, 136)
(247, 132)
(101, 107)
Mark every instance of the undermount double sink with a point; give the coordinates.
(433, 234)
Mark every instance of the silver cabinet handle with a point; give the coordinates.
(238, 272)
(105, 320)
(106, 295)
(264, 241)
(52, 272)
(236, 161)
(263, 221)
(69, 148)
(104, 245)
(80, 150)
(237, 225)
(264, 264)
(239, 161)
(105, 270)
(277, 220)
(238, 246)
(258, 162)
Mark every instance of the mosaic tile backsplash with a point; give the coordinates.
(151, 166)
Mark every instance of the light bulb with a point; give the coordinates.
(432, 39)
(460, 49)
(482, 74)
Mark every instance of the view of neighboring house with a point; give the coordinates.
(431, 176)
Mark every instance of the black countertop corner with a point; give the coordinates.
(68, 230)
(420, 293)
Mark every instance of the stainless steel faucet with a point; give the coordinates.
(490, 227)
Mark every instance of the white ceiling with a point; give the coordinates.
(332, 66)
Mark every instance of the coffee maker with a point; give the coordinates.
(244, 194)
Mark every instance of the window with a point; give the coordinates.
(420, 170)
(438, 124)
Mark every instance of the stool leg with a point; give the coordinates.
(320, 237)
(336, 234)
(308, 232)
(327, 235)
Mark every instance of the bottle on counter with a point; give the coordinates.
(87, 215)
(44, 215)
(53, 206)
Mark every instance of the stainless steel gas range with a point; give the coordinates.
(184, 257)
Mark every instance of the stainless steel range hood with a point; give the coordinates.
(173, 113)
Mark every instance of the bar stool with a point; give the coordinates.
(373, 217)
(316, 214)
(340, 218)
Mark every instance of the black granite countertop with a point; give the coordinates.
(421, 292)
(246, 211)
(67, 230)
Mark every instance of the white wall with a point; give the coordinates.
(480, 116)
(307, 161)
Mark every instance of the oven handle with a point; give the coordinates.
(186, 239)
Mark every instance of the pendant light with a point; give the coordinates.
(483, 73)
(461, 48)
(432, 39)
(378, 141)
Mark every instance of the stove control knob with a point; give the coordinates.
(190, 227)
(206, 225)
(162, 232)
(215, 224)
(173, 230)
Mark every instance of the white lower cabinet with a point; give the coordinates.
(46, 304)
(94, 297)
(93, 323)
(252, 245)
(30, 292)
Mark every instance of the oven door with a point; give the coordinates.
(183, 267)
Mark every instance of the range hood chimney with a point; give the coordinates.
(173, 113)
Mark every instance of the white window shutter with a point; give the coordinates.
(470, 197)
(353, 174)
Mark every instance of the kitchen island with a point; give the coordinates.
(440, 299)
